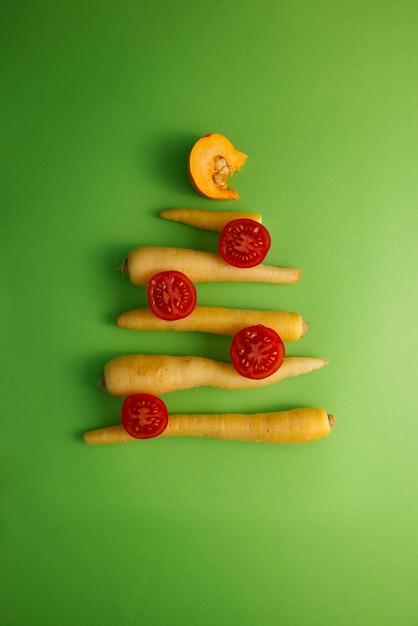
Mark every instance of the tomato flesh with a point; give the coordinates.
(171, 295)
(144, 416)
(257, 351)
(244, 242)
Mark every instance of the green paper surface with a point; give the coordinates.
(101, 103)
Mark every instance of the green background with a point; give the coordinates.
(101, 103)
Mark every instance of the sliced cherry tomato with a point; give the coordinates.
(144, 416)
(244, 242)
(171, 295)
(257, 351)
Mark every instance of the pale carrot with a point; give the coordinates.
(207, 220)
(158, 374)
(142, 263)
(295, 426)
(218, 320)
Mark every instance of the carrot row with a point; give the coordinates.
(302, 425)
(144, 262)
(159, 374)
(207, 220)
(219, 320)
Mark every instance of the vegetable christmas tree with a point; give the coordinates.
(257, 352)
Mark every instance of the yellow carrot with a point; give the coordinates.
(158, 374)
(207, 220)
(142, 263)
(219, 320)
(294, 426)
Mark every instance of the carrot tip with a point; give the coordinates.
(124, 267)
(101, 383)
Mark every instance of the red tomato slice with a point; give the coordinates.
(244, 243)
(171, 295)
(257, 351)
(144, 416)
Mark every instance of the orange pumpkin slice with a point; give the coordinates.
(212, 159)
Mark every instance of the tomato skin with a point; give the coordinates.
(171, 295)
(244, 243)
(144, 416)
(257, 351)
